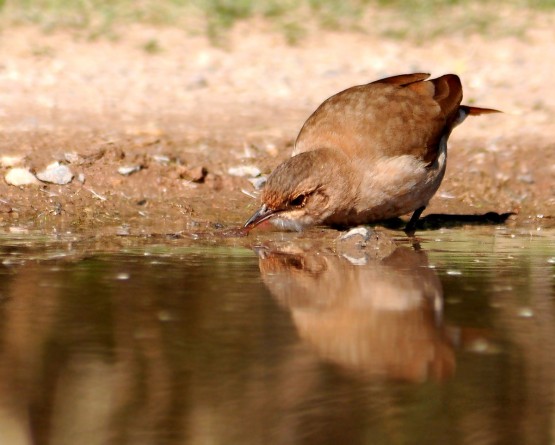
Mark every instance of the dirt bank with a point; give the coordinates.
(183, 116)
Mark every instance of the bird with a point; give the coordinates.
(369, 153)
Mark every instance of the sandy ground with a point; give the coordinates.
(187, 114)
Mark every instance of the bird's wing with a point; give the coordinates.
(404, 79)
(401, 115)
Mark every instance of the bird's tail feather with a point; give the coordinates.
(476, 111)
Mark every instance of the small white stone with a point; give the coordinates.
(245, 171)
(18, 230)
(123, 230)
(258, 183)
(446, 195)
(72, 157)
(161, 159)
(357, 231)
(56, 173)
(129, 169)
(20, 176)
(10, 161)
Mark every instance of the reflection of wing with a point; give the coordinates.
(378, 319)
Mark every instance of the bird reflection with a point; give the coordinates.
(379, 318)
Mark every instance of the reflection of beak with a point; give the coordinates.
(261, 215)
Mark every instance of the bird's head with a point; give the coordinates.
(306, 190)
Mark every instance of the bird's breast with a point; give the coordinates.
(395, 186)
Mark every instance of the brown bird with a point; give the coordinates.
(369, 153)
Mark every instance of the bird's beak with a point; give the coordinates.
(261, 215)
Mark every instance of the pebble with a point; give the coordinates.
(5, 207)
(56, 173)
(18, 230)
(20, 176)
(526, 178)
(258, 183)
(80, 159)
(352, 244)
(123, 230)
(446, 195)
(72, 157)
(196, 174)
(161, 159)
(129, 169)
(10, 161)
(357, 231)
(244, 171)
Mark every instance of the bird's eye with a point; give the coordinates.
(299, 201)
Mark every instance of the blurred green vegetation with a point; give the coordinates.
(394, 18)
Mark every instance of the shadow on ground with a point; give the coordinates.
(437, 221)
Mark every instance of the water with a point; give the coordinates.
(140, 341)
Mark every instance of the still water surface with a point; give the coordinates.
(150, 342)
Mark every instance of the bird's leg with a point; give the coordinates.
(411, 225)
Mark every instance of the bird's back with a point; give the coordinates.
(401, 115)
